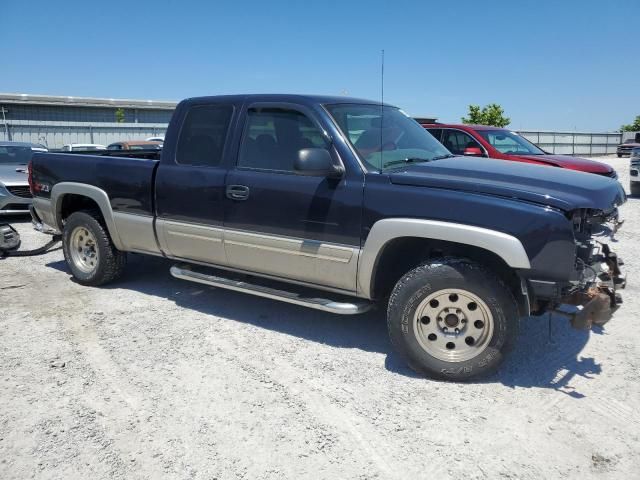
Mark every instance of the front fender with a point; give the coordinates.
(506, 246)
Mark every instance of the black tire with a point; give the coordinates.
(110, 261)
(460, 275)
(634, 188)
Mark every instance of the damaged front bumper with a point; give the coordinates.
(595, 303)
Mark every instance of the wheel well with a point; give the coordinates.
(402, 254)
(71, 203)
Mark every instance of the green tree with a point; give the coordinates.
(492, 115)
(119, 115)
(634, 127)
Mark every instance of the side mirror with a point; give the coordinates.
(473, 152)
(316, 162)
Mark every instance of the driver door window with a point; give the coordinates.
(456, 141)
(273, 137)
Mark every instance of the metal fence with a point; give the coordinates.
(574, 143)
(57, 134)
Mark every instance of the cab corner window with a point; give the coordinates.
(273, 137)
(202, 138)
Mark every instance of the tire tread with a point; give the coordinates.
(427, 269)
(113, 260)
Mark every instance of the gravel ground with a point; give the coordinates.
(158, 378)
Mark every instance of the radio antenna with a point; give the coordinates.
(381, 105)
(382, 78)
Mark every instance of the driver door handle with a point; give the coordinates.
(237, 192)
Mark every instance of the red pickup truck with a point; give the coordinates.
(503, 144)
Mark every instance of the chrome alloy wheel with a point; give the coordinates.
(453, 325)
(83, 249)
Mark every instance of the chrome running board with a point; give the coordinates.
(296, 295)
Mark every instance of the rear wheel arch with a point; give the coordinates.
(70, 197)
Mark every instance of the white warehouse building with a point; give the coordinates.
(54, 121)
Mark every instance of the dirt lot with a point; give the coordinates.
(158, 378)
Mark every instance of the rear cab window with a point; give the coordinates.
(203, 135)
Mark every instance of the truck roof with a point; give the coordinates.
(284, 97)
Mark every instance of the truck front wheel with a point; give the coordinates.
(89, 251)
(452, 319)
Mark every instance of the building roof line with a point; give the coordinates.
(55, 100)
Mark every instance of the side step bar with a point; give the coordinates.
(297, 295)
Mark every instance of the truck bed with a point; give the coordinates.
(128, 181)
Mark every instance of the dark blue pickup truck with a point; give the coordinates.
(338, 204)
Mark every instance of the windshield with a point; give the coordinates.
(15, 155)
(510, 142)
(385, 136)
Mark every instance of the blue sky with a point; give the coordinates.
(551, 64)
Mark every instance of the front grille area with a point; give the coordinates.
(20, 191)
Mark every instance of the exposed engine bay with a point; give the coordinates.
(594, 293)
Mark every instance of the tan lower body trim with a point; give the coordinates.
(136, 232)
(302, 260)
(191, 241)
(299, 259)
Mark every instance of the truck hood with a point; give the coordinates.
(572, 163)
(555, 187)
(13, 174)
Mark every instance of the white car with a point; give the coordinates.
(82, 147)
(154, 139)
(634, 174)
(15, 195)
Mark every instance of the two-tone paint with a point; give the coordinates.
(324, 232)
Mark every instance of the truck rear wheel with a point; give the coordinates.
(452, 319)
(89, 251)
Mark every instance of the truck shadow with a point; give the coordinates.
(539, 360)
